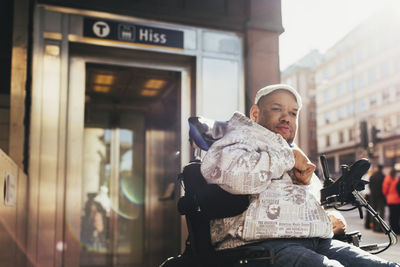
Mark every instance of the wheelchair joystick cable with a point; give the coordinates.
(387, 230)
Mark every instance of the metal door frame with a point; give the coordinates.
(75, 128)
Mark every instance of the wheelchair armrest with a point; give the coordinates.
(245, 251)
(352, 238)
(242, 255)
(223, 258)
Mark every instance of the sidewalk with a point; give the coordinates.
(369, 237)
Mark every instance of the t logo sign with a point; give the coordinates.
(129, 33)
(101, 29)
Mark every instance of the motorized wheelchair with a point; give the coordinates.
(203, 202)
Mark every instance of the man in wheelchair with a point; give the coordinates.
(257, 157)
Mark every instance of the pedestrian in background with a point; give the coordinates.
(392, 199)
(376, 198)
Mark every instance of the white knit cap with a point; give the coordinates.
(270, 88)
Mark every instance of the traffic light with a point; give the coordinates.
(364, 134)
(374, 135)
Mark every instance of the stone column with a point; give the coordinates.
(262, 46)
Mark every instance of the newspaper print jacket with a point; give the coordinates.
(251, 159)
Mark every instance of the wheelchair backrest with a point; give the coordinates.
(203, 202)
(212, 200)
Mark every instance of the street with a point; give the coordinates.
(354, 223)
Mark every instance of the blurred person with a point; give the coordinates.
(94, 223)
(256, 156)
(392, 199)
(376, 198)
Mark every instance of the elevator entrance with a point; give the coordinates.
(124, 132)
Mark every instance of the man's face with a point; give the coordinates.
(273, 209)
(278, 113)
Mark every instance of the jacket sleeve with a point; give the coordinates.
(240, 167)
(385, 186)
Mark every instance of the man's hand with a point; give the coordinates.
(303, 168)
(338, 225)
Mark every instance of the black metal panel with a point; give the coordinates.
(222, 14)
(216, 7)
(6, 19)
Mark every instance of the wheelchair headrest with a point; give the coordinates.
(204, 132)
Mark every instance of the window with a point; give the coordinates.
(359, 56)
(387, 124)
(360, 81)
(398, 120)
(372, 100)
(341, 137)
(325, 74)
(350, 109)
(341, 113)
(339, 90)
(361, 105)
(327, 96)
(390, 154)
(363, 53)
(327, 141)
(372, 49)
(382, 44)
(349, 86)
(397, 86)
(351, 134)
(348, 62)
(384, 70)
(327, 118)
(385, 95)
(397, 65)
(339, 66)
(371, 75)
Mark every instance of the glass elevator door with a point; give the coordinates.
(129, 146)
(112, 226)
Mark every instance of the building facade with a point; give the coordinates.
(358, 91)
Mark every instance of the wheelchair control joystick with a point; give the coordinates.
(339, 192)
(346, 190)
